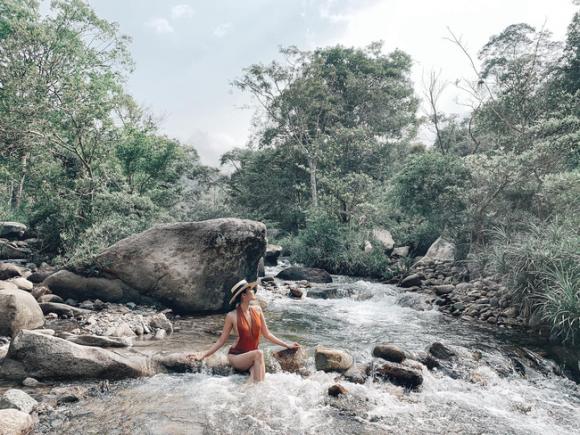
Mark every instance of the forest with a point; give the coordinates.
(334, 154)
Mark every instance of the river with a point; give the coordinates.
(490, 397)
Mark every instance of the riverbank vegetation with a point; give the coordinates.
(334, 155)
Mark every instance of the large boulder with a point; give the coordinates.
(70, 285)
(15, 422)
(11, 251)
(440, 250)
(298, 273)
(11, 230)
(385, 238)
(332, 360)
(189, 266)
(272, 254)
(40, 356)
(18, 310)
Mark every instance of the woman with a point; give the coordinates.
(248, 322)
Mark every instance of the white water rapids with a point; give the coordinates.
(491, 398)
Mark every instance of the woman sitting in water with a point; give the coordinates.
(248, 322)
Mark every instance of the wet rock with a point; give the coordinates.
(122, 329)
(261, 269)
(22, 283)
(439, 350)
(272, 254)
(17, 399)
(412, 280)
(62, 310)
(97, 340)
(291, 360)
(32, 354)
(267, 279)
(332, 360)
(357, 374)
(296, 292)
(67, 398)
(399, 375)
(15, 422)
(9, 270)
(389, 352)
(337, 390)
(18, 310)
(189, 266)
(324, 293)
(160, 334)
(162, 322)
(298, 273)
(413, 300)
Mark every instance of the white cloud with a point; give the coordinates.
(181, 11)
(159, 25)
(222, 30)
(211, 145)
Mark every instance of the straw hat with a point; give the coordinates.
(240, 287)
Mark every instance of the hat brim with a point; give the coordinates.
(240, 287)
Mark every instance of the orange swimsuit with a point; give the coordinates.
(248, 335)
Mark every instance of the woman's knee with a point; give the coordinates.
(258, 355)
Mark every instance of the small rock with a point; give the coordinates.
(160, 321)
(389, 352)
(52, 316)
(50, 298)
(412, 280)
(443, 289)
(9, 270)
(30, 382)
(296, 292)
(357, 374)
(439, 350)
(160, 334)
(337, 390)
(332, 360)
(67, 398)
(17, 399)
(131, 305)
(291, 360)
(399, 374)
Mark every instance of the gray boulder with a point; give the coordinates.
(440, 250)
(12, 229)
(11, 251)
(332, 360)
(18, 310)
(385, 238)
(17, 399)
(297, 273)
(70, 285)
(15, 422)
(32, 354)
(189, 266)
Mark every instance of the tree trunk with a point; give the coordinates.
(313, 188)
(19, 192)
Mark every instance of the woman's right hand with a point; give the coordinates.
(198, 356)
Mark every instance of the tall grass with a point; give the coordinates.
(540, 267)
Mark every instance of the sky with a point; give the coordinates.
(187, 52)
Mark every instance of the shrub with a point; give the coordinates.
(337, 248)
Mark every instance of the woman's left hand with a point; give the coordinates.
(294, 346)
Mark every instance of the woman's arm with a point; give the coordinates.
(228, 325)
(269, 336)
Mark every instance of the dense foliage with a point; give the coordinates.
(80, 162)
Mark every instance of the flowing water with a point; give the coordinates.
(490, 396)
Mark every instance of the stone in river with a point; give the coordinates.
(399, 375)
(389, 352)
(332, 360)
(291, 360)
(337, 390)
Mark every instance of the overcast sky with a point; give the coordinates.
(188, 52)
